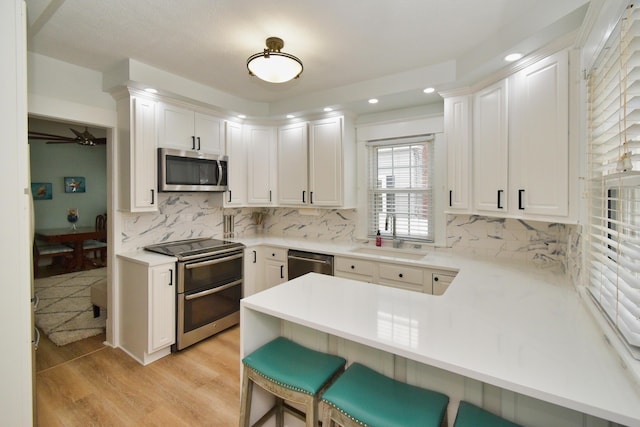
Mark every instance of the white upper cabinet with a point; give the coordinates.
(457, 128)
(261, 165)
(186, 129)
(137, 151)
(491, 149)
(539, 138)
(325, 162)
(292, 164)
(311, 164)
(236, 149)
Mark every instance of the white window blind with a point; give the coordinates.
(400, 188)
(614, 181)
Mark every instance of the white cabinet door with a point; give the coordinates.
(292, 165)
(261, 152)
(275, 266)
(457, 127)
(236, 195)
(325, 162)
(491, 149)
(175, 127)
(209, 131)
(185, 129)
(539, 139)
(143, 165)
(252, 280)
(162, 308)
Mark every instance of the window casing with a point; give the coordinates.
(400, 189)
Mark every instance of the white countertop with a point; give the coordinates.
(516, 328)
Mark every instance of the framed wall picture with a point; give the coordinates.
(41, 190)
(74, 184)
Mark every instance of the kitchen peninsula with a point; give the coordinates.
(520, 336)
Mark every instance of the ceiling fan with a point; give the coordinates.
(82, 138)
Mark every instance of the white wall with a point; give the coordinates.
(15, 250)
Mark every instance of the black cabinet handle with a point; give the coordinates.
(303, 194)
(255, 257)
(273, 255)
(520, 192)
(153, 197)
(450, 198)
(198, 143)
(269, 196)
(435, 279)
(499, 199)
(311, 197)
(193, 142)
(282, 271)
(229, 196)
(353, 266)
(400, 275)
(170, 277)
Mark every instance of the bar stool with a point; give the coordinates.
(472, 416)
(290, 372)
(361, 396)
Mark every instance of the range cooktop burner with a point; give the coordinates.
(193, 248)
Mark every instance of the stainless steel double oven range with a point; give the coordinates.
(209, 286)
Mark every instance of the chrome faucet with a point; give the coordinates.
(396, 242)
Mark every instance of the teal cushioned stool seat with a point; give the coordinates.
(472, 416)
(362, 396)
(292, 373)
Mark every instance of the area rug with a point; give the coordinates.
(65, 312)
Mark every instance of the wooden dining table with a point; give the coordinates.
(73, 237)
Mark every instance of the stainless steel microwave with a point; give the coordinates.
(183, 170)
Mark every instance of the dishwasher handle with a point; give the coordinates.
(314, 260)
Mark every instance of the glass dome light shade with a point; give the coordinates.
(274, 66)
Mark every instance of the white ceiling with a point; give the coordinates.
(352, 50)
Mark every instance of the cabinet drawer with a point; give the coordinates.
(355, 266)
(401, 273)
(278, 254)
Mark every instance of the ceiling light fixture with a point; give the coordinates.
(429, 90)
(373, 101)
(150, 90)
(327, 109)
(513, 57)
(274, 66)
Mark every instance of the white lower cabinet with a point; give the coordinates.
(147, 309)
(251, 277)
(275, 266)
(398, 275)
(354, 268)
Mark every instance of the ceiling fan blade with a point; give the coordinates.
(62, 141)
(40, 135)
(100, 141)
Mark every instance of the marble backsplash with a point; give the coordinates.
(191, 215)
(543, 244)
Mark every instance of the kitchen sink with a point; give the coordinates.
(389, 252)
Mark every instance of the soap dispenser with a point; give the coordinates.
(378, 239)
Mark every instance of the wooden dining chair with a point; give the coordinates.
(54, 251)
(97, 247)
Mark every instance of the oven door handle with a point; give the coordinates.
(212, 262)
(212, 291)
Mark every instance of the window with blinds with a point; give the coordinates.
(614, 181)
(400, 189)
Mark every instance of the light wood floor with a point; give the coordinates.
(88, 384)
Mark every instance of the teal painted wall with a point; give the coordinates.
(53, 162)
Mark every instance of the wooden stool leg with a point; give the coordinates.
(245, 402)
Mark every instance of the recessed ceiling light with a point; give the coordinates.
(513, 57)
(290, 116)
(373, 101)
(429, 90)
(150, 90)
(242, 116)
(327, 109)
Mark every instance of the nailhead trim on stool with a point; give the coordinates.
(291, 372)
(472, 416)
(365, 397)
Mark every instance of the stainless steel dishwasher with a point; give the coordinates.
(300, 262)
